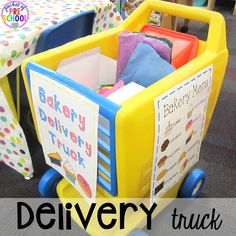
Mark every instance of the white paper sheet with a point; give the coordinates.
(90, 69)
(180, 118)
(68, 124)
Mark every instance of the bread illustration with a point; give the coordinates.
(84, 185)
(162, 174)
(69, 172)
(55, 158)
(182, 168)
(165, 145)
(162, 161)
(188, 125)
(182, 156)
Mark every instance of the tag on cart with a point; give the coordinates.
(14, 150)
(180, 119)
(67, 124)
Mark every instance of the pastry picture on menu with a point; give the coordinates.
(165, 145)
(189, 137)
(189, 114)
(182, 168)
(188, 125)
(84, 185)
(162, 161)
(162, 174)
(182, 156)
(55, 158)
(69, 172)
(159, 187)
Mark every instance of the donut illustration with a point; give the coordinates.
(84, 185)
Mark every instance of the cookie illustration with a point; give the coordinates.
(69, 172)
(162, 174)
(55, 158)
(84, 185)
(162, 161)
(165, 145)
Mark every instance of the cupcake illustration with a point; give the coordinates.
(70, 174)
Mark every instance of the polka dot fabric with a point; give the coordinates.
(14, 151)
(16, 45)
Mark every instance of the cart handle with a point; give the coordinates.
(216, 39)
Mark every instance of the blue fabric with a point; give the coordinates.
(145, 66)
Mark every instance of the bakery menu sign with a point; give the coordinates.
(67, 124)
(179, 124)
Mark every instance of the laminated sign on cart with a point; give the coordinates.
(14, 150)
(67, 124)
(180, 117)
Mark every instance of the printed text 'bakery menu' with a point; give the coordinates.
(179, 123)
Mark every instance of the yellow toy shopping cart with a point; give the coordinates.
(126, 159)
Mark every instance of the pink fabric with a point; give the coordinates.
(128, 42)
(107, 91)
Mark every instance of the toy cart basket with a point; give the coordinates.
(130, 126)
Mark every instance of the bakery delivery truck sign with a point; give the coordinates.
(180, 118)
(67, 124)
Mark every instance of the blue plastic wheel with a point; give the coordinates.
(192, 185)
(138, 232)
(48, 183)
